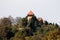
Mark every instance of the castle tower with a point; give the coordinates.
(30, 15)
(40, 19)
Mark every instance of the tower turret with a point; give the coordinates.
(30, 15)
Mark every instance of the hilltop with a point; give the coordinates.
(28, 28)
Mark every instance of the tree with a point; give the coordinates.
(9, 35)
(22, 22)
(46, 23)
(56, 25)
(32, 24)
(6, 25)
(6, 22)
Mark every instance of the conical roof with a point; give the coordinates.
(30, 13)
(40, 19)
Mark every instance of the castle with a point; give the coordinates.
(31, 21)
(31, 14)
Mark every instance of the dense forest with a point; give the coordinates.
(31, 29)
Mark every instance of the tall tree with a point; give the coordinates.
(32, 23)
(6, 22)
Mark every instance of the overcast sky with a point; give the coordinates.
(47, 9)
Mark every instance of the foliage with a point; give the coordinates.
(32, 30)
(46, 23)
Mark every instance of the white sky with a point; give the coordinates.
(47, 9)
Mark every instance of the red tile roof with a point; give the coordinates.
(40, 19)
(30, 13)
